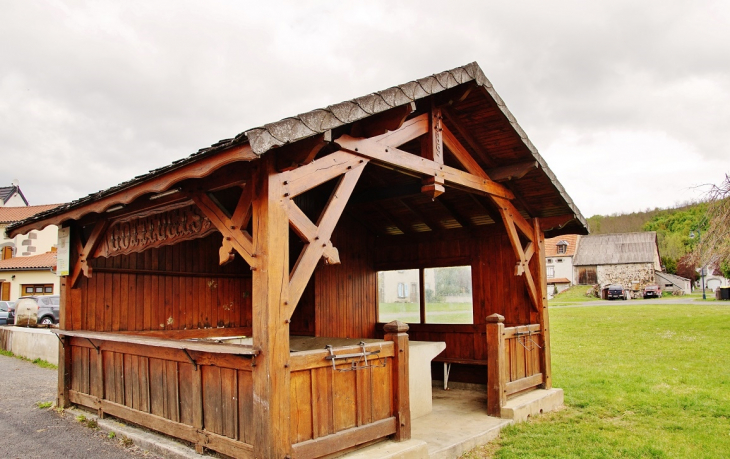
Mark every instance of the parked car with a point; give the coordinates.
(32, 310)
(4, 307)
(617, 292)
(652, 291)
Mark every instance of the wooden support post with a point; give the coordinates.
(496, 365)
(271, 391)
(396, 332)
(197, 399)
(64, 346)
(543, 315)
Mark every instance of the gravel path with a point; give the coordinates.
(27, 431)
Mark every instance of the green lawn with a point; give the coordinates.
(443, 313)
(640, 380)
(575, 294)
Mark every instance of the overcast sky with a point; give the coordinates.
(627, 101)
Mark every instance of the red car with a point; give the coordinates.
(652, 291)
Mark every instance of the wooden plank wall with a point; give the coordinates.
(326, 401)
(346, 294)
(174, 287)
(164, 383)
(495, 287)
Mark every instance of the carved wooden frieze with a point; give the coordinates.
(165, 228)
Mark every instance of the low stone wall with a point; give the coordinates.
(31, 343)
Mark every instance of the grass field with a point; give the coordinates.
(640, 380)
(444, 313)
(575, 294)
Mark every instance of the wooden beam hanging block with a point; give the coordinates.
(432, 148)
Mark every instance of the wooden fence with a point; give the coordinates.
(514, 361)
(184, 390)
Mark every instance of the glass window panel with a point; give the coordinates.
(398, 297)
(449, 301)
(29, 289)
(39, 289)
(48, 289)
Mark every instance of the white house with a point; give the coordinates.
(25, 261)
(11, 196)
(559, 253)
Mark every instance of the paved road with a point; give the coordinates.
(29, 432)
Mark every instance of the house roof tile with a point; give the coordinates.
(43, 261)
(16, 214)
(551, 245)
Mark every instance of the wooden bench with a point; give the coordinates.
(449, 361)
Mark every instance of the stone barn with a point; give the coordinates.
(629, 259)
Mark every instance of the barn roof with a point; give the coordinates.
(612, 249)
(482, 112)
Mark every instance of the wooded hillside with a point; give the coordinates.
(673, 227)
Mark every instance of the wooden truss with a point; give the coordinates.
(384, 150)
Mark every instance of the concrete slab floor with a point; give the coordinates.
(458, 423)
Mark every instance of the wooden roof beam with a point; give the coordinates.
(409, 162)
(466, 135)
(383, 122)
(460, 219)
(431, 223)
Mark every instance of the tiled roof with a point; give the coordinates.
(551, 245)
(620, 248)
(16, 214)
(42, 261)
(289, 130)
(6, 192)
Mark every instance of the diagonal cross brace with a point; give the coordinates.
(235, 236)
(85, 250)
(317, 236)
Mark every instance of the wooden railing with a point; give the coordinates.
(184, 390)
(514, 361)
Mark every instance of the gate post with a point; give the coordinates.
(396, 332)
(496, 365)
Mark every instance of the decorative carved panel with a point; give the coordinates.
(165, 228)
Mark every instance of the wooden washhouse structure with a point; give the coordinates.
(200, 296)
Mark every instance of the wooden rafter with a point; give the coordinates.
(411, 129)
(460, 219)
(512, 172)
(317, 236)
(85, 250)
(302, 179)
(233, 229)
(406, 161)
(468, 138)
